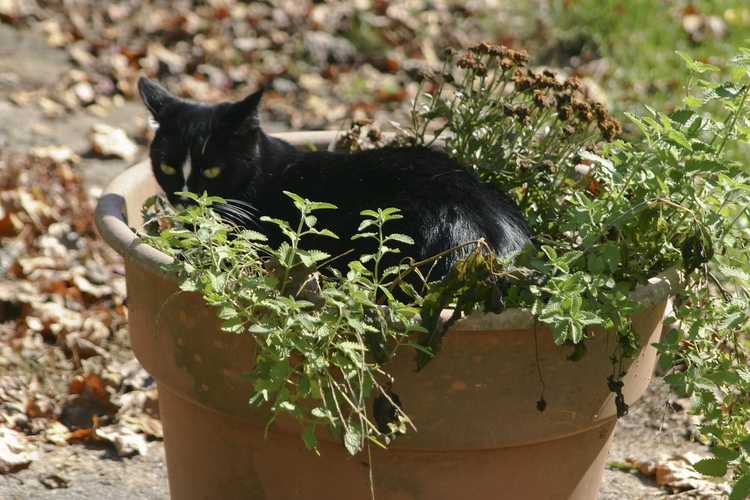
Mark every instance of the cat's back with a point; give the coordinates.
(416, 170)
(443, 203)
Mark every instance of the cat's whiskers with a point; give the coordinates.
(236, 213)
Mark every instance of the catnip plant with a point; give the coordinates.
(321, 337)
(609, 213)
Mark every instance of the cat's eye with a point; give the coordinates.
(167, 169)
(212, 173)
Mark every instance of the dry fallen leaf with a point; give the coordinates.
(676, 474)
(111, 141)
(126, 441)
(15, 451)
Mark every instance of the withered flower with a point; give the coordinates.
(520, 57)
(600, 111)
(482, 48)
(522, 82)
(610, 128)
(523, 114)
(565, 113)
(542, 99)
(573, 83)
(583, 110)
(467, 61)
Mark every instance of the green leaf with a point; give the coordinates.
(311, 257)
(309, 438)
(259, 329)
(353, 440)
(228, 312)
(711, 467)
(725, 453)
(365, 224)
(745, 443)
(401, 238)
(697, 66)
(364, 235)
(741, 489)
(327, 232)
(188, 285)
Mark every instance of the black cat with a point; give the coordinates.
(221, 149)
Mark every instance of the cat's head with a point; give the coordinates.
(200, 147)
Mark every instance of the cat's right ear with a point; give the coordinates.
(154, 96)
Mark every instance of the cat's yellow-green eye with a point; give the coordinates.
(167, 169)
(211, 173)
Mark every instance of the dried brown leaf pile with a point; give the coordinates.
(322, 62)
(66, 371)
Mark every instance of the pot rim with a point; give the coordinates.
(110, 218)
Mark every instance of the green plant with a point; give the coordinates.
(321, 336)
(608, 215)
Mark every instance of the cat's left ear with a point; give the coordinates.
(243, 116)
(154, 96)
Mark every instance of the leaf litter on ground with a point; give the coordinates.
(67, 374)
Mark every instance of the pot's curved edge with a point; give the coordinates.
(111, 220)
(657, 290)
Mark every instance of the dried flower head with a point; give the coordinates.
(600, 111)
(610, 128)
(521, 57)
(573, 83)
(467, 61)
(583, 111)
(483, 48)
(565, 113)
(542, 99)
(506, 63)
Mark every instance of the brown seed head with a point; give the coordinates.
(520, 57)
(573, 83)
(565, 113)
(482, 48)
(506, 63)
(467, 61)
(610, 129)
(542, 99)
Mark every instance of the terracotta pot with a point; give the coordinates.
(479, 433)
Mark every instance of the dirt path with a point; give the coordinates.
(77, 472)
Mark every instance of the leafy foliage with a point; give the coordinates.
(608, 215)
(321, 336)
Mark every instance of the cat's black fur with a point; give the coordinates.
(443, 204)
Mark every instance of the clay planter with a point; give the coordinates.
(479, 434)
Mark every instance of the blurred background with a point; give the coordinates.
(76, 412)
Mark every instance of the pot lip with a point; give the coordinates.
(111, 221)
